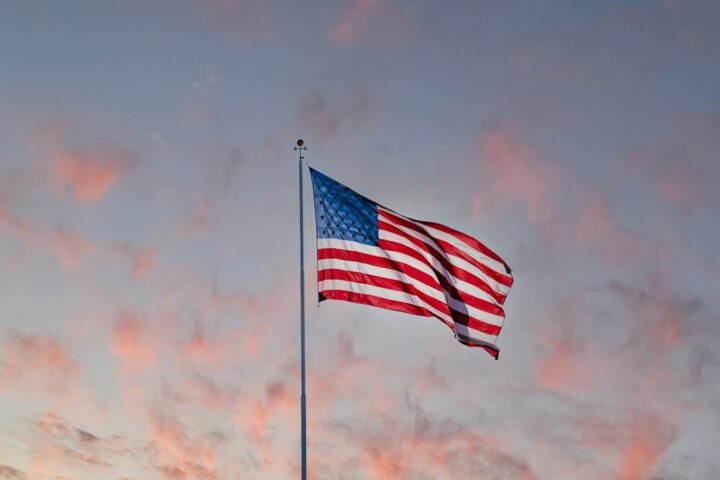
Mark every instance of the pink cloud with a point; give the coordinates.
(655, 324)
(59, 449)
(70, 247)
(665, 322)
(91, 172)
(76, 456)
(343, 376)
(389, 447)
(38, 361)
(681, 167)
(641, 455)
(132, 343)
(324, 118)
(668, 174)
(597, 229)
(681, 191)
(12, 222)
(180, 454)
(569, 366)
(11, 473)
(383, 18)
(205, 350)
(646, 375)
(207, 393)
(565, 209)
(279, 404)
(320, 118)
(636, 442)
(520, 175)
(143, 259)
(428, 379)
(252, 337)
(356, 19)
(597, 225)
(238, 21)
(202, 219)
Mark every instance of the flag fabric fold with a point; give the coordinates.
(370, 254)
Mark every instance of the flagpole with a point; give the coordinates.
(303, 430)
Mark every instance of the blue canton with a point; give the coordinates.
(341, 213)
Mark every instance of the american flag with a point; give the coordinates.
(372, 255)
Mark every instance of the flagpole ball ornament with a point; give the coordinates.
(300, 147)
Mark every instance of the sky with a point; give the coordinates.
(149, 279)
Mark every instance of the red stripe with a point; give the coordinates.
(382, 282)
(439, 282)
(397, 285)
(383, 262)
(374, 301)
(444, 261)
(467, 239)
(418, 227)
(456, 272)
(396, 306)
(449, 248)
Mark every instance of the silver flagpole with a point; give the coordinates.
(303, 430)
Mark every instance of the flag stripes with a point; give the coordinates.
(372, 255)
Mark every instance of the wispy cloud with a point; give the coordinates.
(357, 19)
(679, 168)
(90, 172)
(521, 175)
(11, 473)
(648, 440)
(133, 343)
(360, 17)
(324, 117)
(178, 453)
(143, 259)
(73, 248)
(69, 247)
(36, 362)
(238, 21)
(60, 448)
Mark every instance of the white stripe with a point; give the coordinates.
(461, 245)
(388, 273)
(396, 295)
(472, 289)
(399, 257)
(376, 251)
(455, 260)
(392, 274)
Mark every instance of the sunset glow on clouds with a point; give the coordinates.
(149, 252)
(90, 173)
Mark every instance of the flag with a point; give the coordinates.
(370, 254)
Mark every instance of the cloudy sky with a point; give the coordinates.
(149, 237)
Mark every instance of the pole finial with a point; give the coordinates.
(300, 147)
